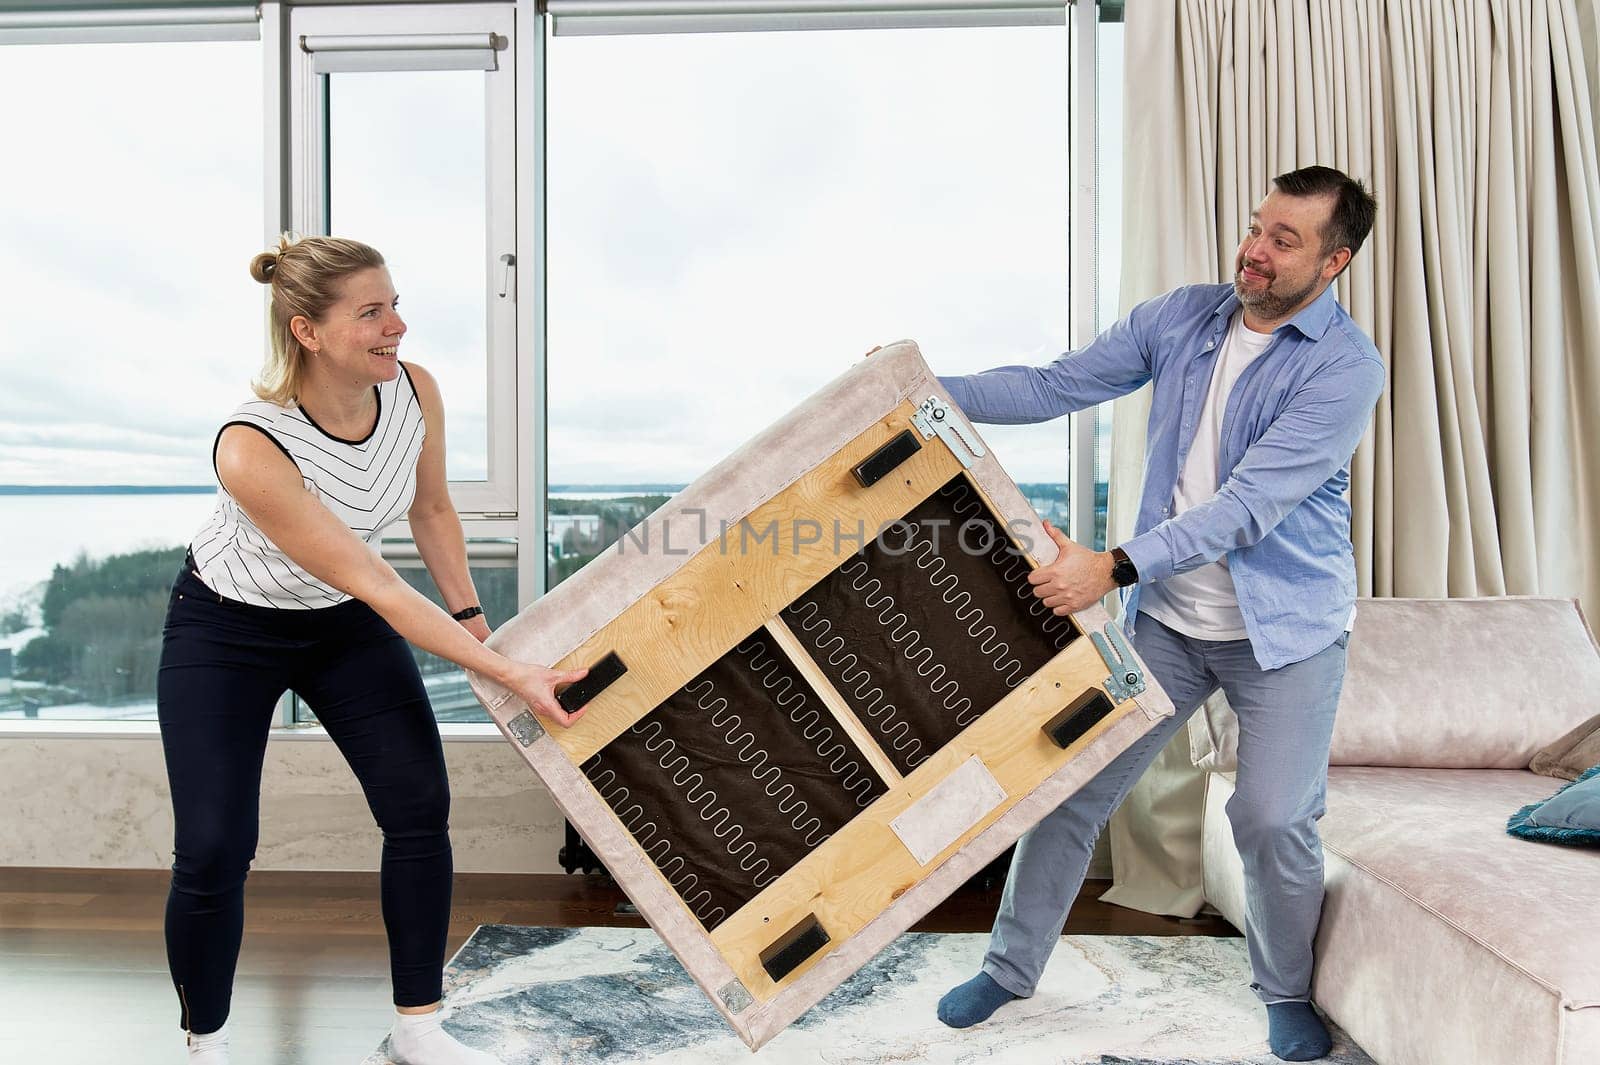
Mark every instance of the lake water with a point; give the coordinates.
(38, 533)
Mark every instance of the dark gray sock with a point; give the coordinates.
(1296, 1033)
(967, 1004)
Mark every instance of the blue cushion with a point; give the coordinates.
(1571, 815)
(1575, 806)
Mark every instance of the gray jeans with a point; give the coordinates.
(1285, 726)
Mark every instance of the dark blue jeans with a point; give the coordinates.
(224, 665)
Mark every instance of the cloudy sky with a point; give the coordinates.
(128, 323)
(733, 220)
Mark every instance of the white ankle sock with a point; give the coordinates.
(210, 1049)
(417, 1039)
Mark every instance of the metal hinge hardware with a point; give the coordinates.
(937, 418)
(1127, 679)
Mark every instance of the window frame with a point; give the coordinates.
(146, 26)
(308, 192)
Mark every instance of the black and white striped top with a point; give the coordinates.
(368, 484)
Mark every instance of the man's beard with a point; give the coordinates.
(1267, 303)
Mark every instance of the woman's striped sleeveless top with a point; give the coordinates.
(368, 484)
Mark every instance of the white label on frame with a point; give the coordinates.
(942, 816)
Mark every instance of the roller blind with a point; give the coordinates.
(116, 23)
(598, 17)
(332, 54)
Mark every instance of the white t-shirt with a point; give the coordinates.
(1202, 603)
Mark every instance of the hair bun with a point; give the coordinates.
(263, 266)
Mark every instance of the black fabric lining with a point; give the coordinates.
(726, 790)
(377, 394)
(388, 427)
(929, 626)
(734, 779)
(263, 430)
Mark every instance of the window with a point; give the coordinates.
(775, 204)
(729, 220)
(407, 174)
(403, 137)
(495, 576)
(132, 329)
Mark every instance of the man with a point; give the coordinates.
(1240, 575)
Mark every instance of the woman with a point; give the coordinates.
(284, 588)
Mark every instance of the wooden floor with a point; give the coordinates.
(83, 970)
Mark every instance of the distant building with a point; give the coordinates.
(569, 532)
(581, 524)
(5, 670)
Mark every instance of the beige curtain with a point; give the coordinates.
(1589, 37)
(1472, 121)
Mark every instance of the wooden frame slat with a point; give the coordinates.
(807, 667)
(732, 586)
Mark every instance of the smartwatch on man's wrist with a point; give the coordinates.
(1123, 570)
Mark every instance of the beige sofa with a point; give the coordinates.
(1444, 941)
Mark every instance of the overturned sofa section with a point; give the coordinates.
(824, 694)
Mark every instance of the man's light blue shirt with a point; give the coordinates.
(1290, 426)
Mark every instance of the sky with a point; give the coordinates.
(733, 219)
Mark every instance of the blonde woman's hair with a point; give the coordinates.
(306, 275)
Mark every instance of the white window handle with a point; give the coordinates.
(509, 262)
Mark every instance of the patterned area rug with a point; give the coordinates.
(570, 995)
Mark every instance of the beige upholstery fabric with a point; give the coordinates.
(1447, 683)
(1443, 939)
(1568, 757)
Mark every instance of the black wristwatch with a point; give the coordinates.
(469, 612)
(1123, 570)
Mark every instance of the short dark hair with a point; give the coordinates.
(1353, 210)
